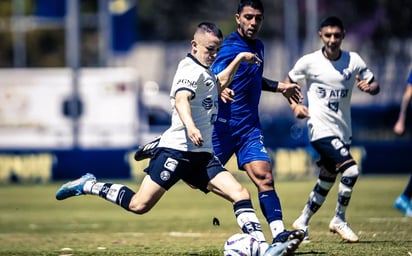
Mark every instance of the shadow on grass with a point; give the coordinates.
(310, 253)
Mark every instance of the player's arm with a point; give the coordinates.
(182, 104)
(399, 127)
(371, 87)
(289, 90)
(225, 77)
(299, 110)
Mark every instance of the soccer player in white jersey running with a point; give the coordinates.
(185, 150)
(330, 74)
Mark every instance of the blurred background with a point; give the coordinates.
(84, 82)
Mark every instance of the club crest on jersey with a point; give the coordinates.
(170, 164)
(346, 74)
(207, 103)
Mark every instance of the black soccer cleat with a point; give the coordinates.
(289, 235)
(147, 150)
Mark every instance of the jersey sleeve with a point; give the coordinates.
(363, 71)
(186, 78)
(298, 72)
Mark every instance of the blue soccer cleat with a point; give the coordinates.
(403, 204)
(74, 188)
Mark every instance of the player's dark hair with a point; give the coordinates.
(332, 21)
(255, 4)
(209, 27)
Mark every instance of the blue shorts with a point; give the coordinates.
(247, 144)
(168, 166)
(333, 152)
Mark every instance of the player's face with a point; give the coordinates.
(206, 48)
(332, 39)
(249, 22)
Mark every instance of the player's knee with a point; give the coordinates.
(241, 193)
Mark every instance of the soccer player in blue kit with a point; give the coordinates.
(403, 201)
(237, 129)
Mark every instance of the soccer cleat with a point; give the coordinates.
(342, 228)
(289, 235)
(403, 204)
(147, 150)
(408, 212)
(74, 188)
(299, 224)
(283, 248)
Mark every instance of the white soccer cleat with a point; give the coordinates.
(342, 228)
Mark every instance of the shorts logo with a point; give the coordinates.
(165, 175)
(170, 164)
(344, 152)
(336, 143)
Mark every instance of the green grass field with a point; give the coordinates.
(32, 222)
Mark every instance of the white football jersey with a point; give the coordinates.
(329, 91)
(201, 81)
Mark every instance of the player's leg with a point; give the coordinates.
(336, 158)
(403, 201)
(139, 203)
(316, 198)
(151, 189)
(87, 184)
(213, 177)
(252, 157)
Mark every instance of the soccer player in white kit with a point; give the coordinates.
(330, 74)
(185, 150)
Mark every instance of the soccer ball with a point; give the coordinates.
(241, 244)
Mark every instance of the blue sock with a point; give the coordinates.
(270, 205)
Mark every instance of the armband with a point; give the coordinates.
(269, 85)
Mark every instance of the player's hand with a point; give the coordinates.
(250, 58)
(291, 91)
(195, 136)
(301, 111)
(227, 95)
(399, 128)
(364, 86)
